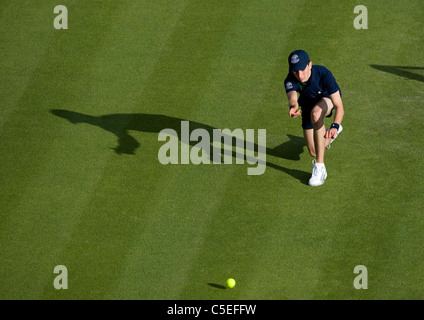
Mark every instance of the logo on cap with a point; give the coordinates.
(294, 59)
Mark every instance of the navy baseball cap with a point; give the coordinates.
(298, 60)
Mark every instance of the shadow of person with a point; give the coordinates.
(290, 150)
(402, 71)
(120, 124)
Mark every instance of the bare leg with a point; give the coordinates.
(319, 143)
(308, 134)
(321, 109)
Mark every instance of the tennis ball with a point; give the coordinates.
(231, 283)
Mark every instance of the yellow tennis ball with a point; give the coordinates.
(231, 283)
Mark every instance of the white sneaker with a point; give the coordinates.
(338, 132)
(319, 174)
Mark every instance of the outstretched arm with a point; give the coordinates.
(294, 106)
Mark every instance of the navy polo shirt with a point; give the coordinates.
(320, 84)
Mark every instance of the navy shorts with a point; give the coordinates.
(306, 117)
(307, 106)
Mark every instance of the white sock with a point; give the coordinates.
(320, 164)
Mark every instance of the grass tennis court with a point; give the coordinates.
(128, 227)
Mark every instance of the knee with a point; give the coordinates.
(316, 118)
